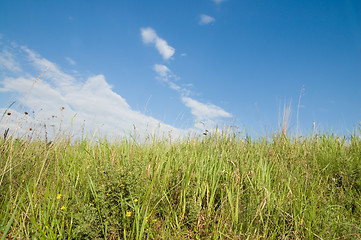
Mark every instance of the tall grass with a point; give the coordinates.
(218, 186)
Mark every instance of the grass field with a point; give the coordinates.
(218, 186)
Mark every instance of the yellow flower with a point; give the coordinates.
(63, 208)
(128, 214)
(58, 196)
(135, 200)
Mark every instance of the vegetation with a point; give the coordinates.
(218, 186)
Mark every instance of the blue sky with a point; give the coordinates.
(176, 66)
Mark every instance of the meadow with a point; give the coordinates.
(216, 186)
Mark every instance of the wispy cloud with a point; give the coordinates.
(163, 71)
(7, 61)
(205, 19)
(204, 111)
(53, 73)
(200, 111)
(164, 74)
(70, 61)
(218, 1)
(149, 36)
(92, 101)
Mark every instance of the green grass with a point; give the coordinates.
(218, 186)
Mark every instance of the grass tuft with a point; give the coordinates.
(218, 186)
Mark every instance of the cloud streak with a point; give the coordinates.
(200, 111)
(205, 19)
(218, 1)
(204, 111)
(91, 101)
(149, 36)
(7, 61)
(70, 61)
(164, 74)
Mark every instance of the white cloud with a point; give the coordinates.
(63, 81)
(201, 111)
(149, 36)
(167, 76)
(204, 111)
(70, 61)
(7, 61)
(205, 19)
(218, 1)
(161, 70)
(92, 101)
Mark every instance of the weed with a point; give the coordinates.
(215, 186)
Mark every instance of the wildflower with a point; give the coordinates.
(128, 214)
(63, 208)
(58, 196)
(135, 200)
